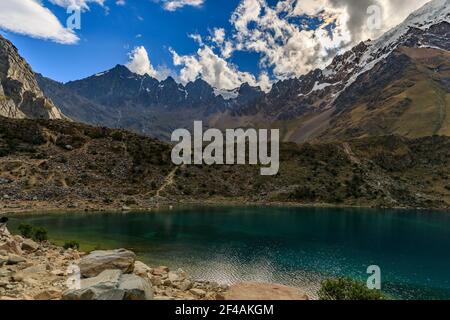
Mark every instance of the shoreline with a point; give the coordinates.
(32, 208)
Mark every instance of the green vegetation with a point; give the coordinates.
(75, 245)
(26, 230)
(40, 234)
(347, 289)
(36, 233)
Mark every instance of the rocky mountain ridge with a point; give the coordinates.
(20, 95)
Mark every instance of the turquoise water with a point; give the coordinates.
(294, 246)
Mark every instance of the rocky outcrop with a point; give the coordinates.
(98, 261)
(42, 273)
(20, 95)
(112, 285)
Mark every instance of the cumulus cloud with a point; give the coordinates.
(79, 4)
(292, 37)
(139, 63)
(292, 45)
(173, 5)
(215, 70)
(31, 18)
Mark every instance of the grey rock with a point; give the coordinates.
(99, 261)
(135, 288)
(29, 245)
(20, 95)
(15, 259)
(112, 285)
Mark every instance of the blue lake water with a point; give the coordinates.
(293, 246)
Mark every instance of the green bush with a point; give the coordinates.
(26, 230)
(72, 245)
(39, 234)
(347, 289)
(30, 232)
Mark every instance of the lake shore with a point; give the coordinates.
(44, 207)
(32, 270)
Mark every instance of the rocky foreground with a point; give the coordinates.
(43, 271)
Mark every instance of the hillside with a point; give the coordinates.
(58, 164)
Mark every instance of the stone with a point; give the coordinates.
(49, 294)
(135, 287)
(5, 273)
(263, 291)
(112, 285)
(58, 272)
(174, 277)
(29, 245)
(141, 269)
(199, 293)
(3, 260)
(99, 261)
(15, 259)
(160, 271)
(156, 281)
(184, 285)
(11, 246)
(102, 287)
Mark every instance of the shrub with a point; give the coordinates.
(39, 234)
(26, 230)
(72, 245)
(347, 289)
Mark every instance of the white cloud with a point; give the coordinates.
(31, 18)
(285, 40)
(80, 4)
(215, 70)
(140, 63)
(291, 47)
(173, 5)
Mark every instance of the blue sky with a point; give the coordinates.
(107, 35)
(226, 42)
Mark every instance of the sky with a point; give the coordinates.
(225, 42)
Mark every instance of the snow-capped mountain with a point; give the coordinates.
(315, 102)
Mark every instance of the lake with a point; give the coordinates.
(292, 246)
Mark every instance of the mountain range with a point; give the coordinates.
(398, 84)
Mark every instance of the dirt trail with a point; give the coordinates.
(169, 180)
(348, 151)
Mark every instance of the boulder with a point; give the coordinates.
(98, 261)
(11, 246)
(175, 277)
(199, 293)
(141, 269)
(160, 271)
(15, 259)
(112, 285)
(49, 294)
(29, 245)
(184, 285)
(263, 291)
(3, 260)
(135, 287)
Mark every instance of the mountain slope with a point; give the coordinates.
(71, 165)
(119, 98)
(20, 95)
(316, 105)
